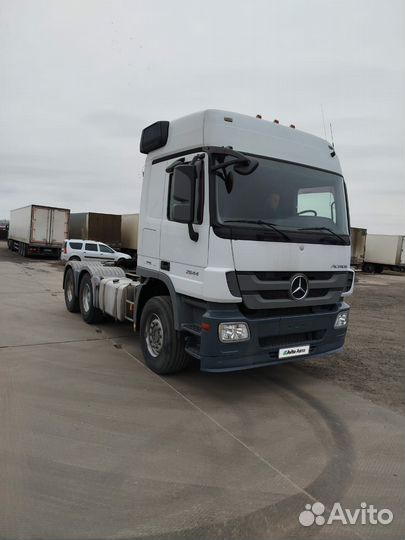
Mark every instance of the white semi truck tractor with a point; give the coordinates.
(243, 248)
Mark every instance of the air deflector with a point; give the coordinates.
(154, 136)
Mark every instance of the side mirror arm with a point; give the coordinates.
(194, 235)
(171, 167)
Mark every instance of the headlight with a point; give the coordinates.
(233, 332)
(342, 319)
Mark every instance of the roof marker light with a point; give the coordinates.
(276, 121)
(292, 126)
(259, 116)
(228, 119)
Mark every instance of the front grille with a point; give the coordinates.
(287, 311)
(286, 276)
(271, 290)
(288, 340)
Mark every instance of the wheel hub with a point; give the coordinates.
(70, 291)
(154, 335)
(86, 297)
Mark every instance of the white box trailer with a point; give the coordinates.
(358, 244)
(38, 230)
(129, 233)
(384, 252)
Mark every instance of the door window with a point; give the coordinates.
(105, 249)
(90, 247)
(198, 198)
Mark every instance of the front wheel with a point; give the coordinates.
(162, 346)
(90, 314)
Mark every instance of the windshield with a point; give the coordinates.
(307, 204)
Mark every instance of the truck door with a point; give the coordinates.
(40, 225)
(182, 258)
(58, 226)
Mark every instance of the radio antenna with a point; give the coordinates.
(323, 121)
(331, 134)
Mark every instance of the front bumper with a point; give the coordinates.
(267, 336)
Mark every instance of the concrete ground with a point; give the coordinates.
(93, 445)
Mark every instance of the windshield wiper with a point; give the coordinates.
(324, 229)
(260, 222)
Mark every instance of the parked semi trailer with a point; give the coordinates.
(243, 248)
(96, 226)
(38, 230)
(358, 242)
(3, 229)
(129, 233)
(384, 252)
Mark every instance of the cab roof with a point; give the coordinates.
(244, 133)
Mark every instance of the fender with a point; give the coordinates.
(151, 276)
(96, 270)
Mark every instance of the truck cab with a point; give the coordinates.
(243, 245)
(246, 223)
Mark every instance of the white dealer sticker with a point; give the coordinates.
(293, 351)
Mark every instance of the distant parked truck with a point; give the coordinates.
(3, 229)
(38, 230)
(96, 226)
(129, 233)
(384, 252)
(358, 244)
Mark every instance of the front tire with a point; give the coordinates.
(162, 346)
(71, 300)
(90, 314)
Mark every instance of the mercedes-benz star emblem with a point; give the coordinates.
(299, 287)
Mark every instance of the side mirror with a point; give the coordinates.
(183, 193)
(246, 168)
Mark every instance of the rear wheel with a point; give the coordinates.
(90, 314)
(74, 258)
(369, 268)
(71, 300)
(162, 346)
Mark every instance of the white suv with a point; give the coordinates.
(88, 250)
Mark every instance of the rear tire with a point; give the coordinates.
(369, 268)
(71, 300)
(74, 258)
(162, 346)
(90, 314)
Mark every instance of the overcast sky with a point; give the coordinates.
(80, 79)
